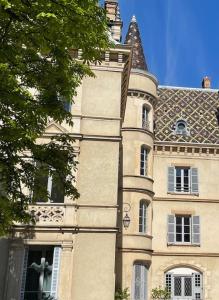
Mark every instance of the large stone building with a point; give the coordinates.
(148, 177)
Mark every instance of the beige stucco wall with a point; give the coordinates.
(101, 95)
(205, 257)
(98, 172)
(208, 266)
(143, 81)
(93, 266)
(208, 170)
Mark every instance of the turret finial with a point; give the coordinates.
(134, 20)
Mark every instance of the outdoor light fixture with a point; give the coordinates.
(126, 220)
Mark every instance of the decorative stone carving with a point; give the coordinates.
(47, 214)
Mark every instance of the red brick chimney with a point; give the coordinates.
(206, 83)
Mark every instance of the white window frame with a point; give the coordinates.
(195, 230)
(196, 279)
(182, 189)
(144, 161)
(145, 115)
(183, 228)
(143, 208)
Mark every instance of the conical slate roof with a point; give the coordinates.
(133, 38)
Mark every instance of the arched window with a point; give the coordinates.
(181, 127)
(145, 121)
(143, 216)
(184, 283)
(140, 286)
(144, 161)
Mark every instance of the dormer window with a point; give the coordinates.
(181, 127)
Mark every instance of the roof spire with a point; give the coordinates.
(133, 38)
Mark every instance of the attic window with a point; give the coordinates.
(181, 127)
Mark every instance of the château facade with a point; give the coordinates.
(148, 178)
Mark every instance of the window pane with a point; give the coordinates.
(187, 238)
(179, 237)
(177, 286)
(178, 229)
(186, 229)
(178, 172)
(57, 194)
(186, 172)
(188, 286)
(40, 184)
(178, 220)
(187, 220)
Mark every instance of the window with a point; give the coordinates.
(145, 122)
(40, 273)
(143, 216)
(67, 106)
(144, 158)
(183, 180)
(183, 229)
(139, 282)
(181, 127)
(52, 183)
(184, 283)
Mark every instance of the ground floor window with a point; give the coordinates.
(40, 273)
(139, 282)
(184, 284)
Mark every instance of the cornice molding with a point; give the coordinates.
(191, 254)
(140, 94)
(145, 131)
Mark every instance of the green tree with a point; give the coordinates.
(160, 293)
(38, 73)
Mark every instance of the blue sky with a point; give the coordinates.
(180, 38)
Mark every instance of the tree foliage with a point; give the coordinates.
(160, 294)
(37, 75)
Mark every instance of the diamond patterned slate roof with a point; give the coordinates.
(197, 107)
(133, 38)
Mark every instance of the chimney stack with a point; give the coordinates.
(115, 22)
(206, 83)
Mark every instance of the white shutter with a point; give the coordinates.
(197, 285)
(24, 273)
(55, 272)
(194, 180)
(171, 229)
(171, 179)
(196, 230)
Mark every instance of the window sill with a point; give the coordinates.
(183, 193)
(183, 245)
